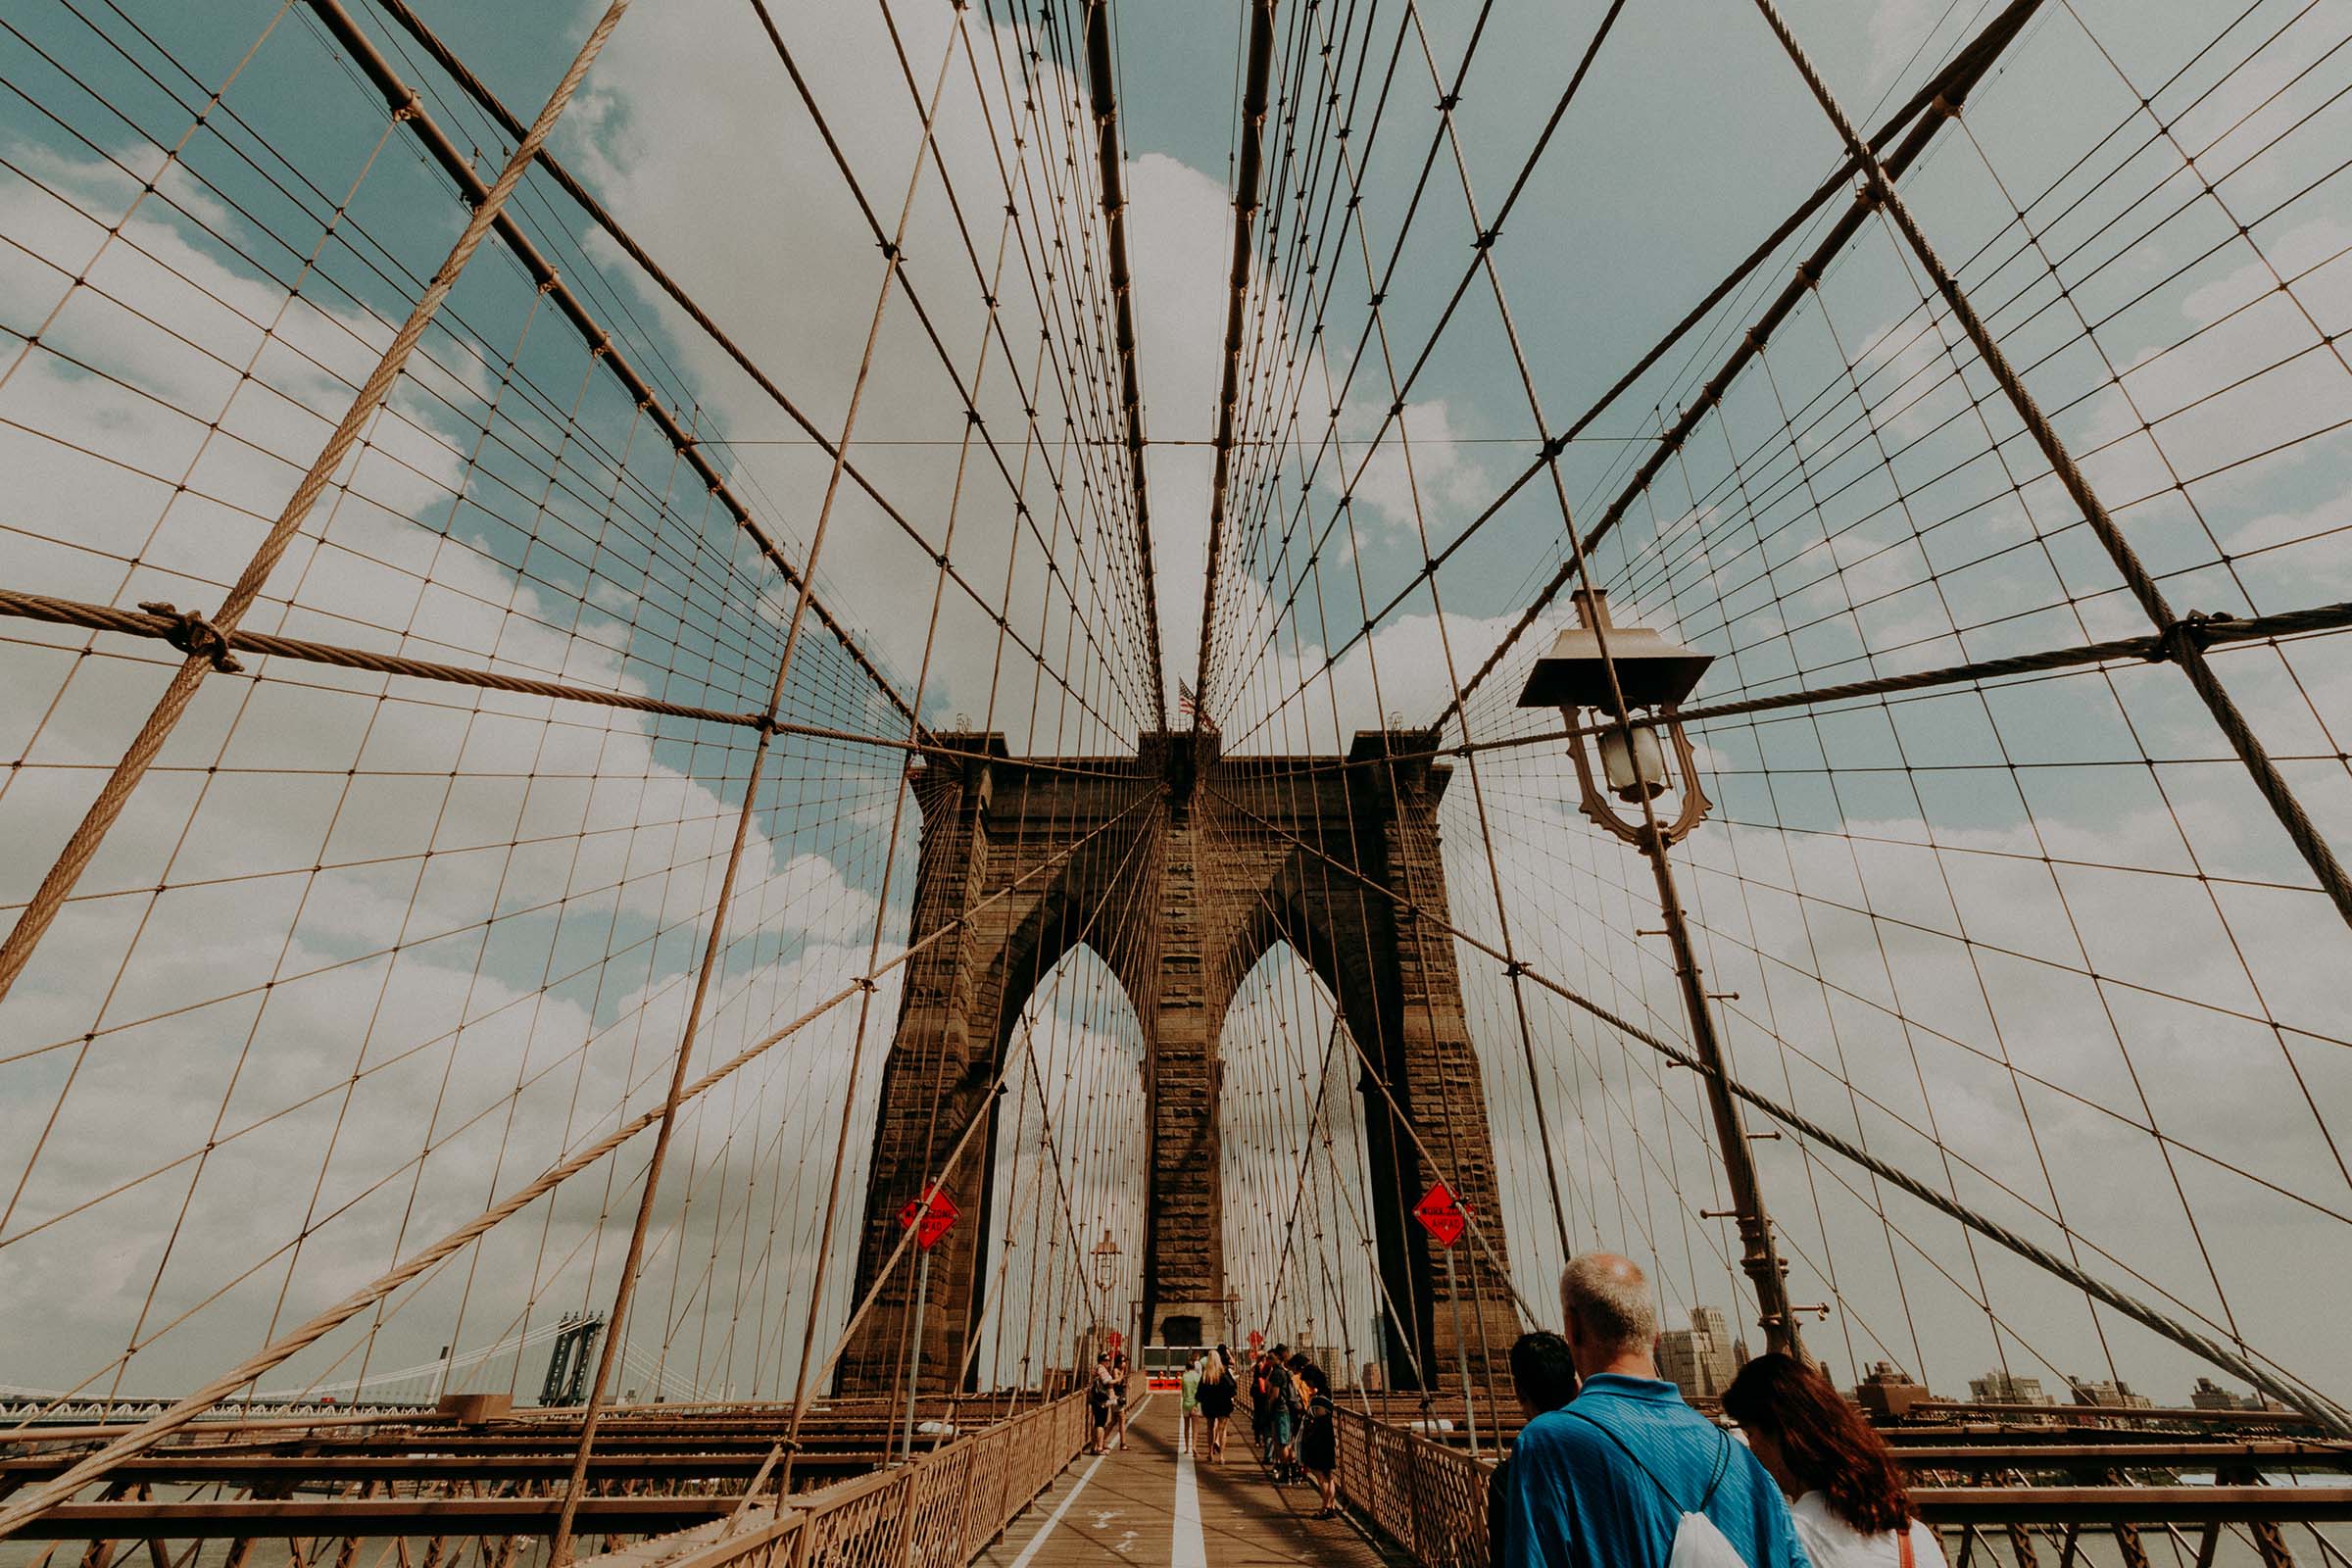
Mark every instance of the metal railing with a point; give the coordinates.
(937, 1512)
(1429, 1498)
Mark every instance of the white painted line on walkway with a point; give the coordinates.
(1038, 1541)
(1187, 1548)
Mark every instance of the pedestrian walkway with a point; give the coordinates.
(1149, 1505)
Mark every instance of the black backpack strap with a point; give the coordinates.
(1723, 1462)
(1723, 1467)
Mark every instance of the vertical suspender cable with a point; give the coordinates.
(1105, 105)
(1245, 214)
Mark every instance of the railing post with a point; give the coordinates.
(1413, 1499)
(970, 1494)
(904, 1542)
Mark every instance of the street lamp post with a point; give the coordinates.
(1598, 674)
(1106, 1254)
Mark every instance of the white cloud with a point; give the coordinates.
(344, 1003)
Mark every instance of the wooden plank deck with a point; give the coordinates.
(1150, 1506)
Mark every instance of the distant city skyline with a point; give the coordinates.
(1703, 1359)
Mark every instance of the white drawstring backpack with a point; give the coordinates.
(1698, 1542)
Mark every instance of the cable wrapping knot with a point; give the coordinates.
(2185, 636)
(195, 636)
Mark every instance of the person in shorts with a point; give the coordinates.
(1120, 1377)
(1190, 1382)
(1279, 1425)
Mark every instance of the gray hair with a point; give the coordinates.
(1608, 1298)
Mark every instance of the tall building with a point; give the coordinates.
(2211, 1396)
(2003, 1388)
(1699, 1359)
(1888, 1393)
(2116, 1394)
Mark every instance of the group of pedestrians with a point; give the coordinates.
(1291, 1414)
(1106, 1403)
(1612, 1467)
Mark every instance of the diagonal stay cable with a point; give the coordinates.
(15, 953)
(404, 99)
(1949, 87)
(1881, 196)
(1926, 108)
(1106, 106)
(825, 443)
(153, 1430)
(2322, 1409)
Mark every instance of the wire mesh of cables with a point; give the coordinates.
(490, 635)
(508, 927)
(2017, 911)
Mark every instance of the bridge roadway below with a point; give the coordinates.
(1150, 1506)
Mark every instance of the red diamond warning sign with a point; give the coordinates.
(1441, 1214)
(929, 1216)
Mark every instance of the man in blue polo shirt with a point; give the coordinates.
(1603, 1482)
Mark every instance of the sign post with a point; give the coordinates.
(1444, 1217)
(929, 1216)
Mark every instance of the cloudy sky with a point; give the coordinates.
(367, 955)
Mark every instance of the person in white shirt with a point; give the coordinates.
(1846, 1492)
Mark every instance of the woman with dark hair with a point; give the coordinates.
(1846, 1492)
(1319, 1437)
(1544, 1376)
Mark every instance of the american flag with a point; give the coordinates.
(1186, 705)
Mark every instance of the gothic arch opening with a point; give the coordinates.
(1066, 1170)
(1176, 878)
(1302, 1254)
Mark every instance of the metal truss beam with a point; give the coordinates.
(2124, 1505)
(368, 1516)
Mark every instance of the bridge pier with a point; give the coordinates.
(1182, 869)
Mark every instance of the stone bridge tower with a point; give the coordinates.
(1221, 858)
